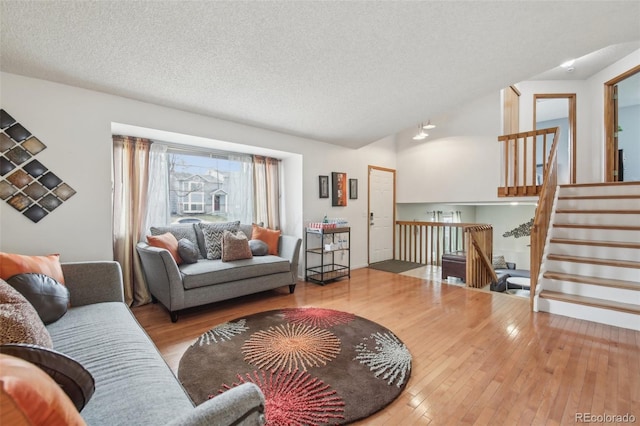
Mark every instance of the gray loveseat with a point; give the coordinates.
(184, 286)
(133, 384)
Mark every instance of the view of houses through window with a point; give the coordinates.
(199, 188)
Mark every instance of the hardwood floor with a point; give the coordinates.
(478, 357)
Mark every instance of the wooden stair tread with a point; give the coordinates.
(596, 184)
(604, 282)
(597, 211)
(616, 244)
(595, 261)
(605, 227)
(591, 301)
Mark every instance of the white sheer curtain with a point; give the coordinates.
(240, 187)
(158, 213)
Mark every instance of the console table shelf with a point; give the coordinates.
(334, 261)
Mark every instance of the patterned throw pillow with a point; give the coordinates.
(499, 262)
(213, 237)
(19, 321)
(179, 231)
(235, 246)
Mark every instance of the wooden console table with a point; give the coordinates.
(454, 264)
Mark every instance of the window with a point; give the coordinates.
(193, 201)
(219, 187)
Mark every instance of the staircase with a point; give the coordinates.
(591, 262)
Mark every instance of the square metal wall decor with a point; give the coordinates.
(26, 184)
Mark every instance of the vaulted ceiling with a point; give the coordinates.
(347, 73)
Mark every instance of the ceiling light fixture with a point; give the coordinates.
(421, 134)
(568, 65)
(429, 126)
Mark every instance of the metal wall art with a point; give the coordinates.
(27, 185)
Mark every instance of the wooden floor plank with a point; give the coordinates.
(479, 357)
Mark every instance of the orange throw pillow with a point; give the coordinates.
(14, 264)
(166, 241)
(269, 236)
(29, 393)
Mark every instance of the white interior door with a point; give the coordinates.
(381, 213)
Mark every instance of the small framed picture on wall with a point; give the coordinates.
(323, 186)
(353, 189)
(338, 189)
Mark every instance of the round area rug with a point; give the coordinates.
(314, 366)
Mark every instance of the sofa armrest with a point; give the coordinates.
(93, 282)
(162, 275)
(290, 250)
(241, 405)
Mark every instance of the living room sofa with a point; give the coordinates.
(133, 384)
(183, 286)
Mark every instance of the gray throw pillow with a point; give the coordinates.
(72, 377)
(188, 251)
(258, 247)
(48, 296)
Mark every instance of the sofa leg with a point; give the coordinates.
(292, 288)
(174, 316)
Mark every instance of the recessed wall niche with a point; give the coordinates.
(26, 184)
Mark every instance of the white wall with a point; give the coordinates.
(458, 162)
(504, 218)
(75, 125)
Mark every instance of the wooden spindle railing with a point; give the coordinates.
(540, 227)
(426, 242)
(520, 152)
(480, 270)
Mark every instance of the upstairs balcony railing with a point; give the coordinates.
(525, 158)
(426, 242)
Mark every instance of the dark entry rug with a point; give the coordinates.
(395, 266)
(315, 366)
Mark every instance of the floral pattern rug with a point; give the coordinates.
(315, 366)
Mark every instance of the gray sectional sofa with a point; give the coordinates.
(133, 384)
(183, 286)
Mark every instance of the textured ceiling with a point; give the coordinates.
(346, 72)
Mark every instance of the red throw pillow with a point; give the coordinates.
(14, 264)
(269, 236)
(166, 241)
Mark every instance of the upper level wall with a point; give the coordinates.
(458, 162)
